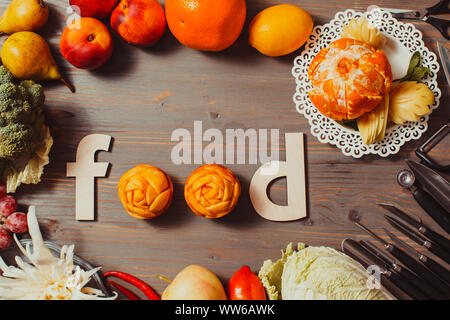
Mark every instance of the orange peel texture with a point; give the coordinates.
(349, 79)
(212, 191)
(207, 25)
(145, 191)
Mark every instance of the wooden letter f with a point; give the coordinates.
(85, 170)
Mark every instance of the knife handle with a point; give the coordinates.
(433, 208)
(406, 285)
(441, 253)
(435, 237)
(409, 283)
(439, 270)
(432, 285)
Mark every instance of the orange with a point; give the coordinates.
(349, 79)
(206, 25)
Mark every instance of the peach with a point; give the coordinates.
(139, 22)
(94, 9)
(86, 43)
(195, 283)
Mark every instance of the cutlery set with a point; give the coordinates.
(414, 272)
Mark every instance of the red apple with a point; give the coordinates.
(86, 43)
(139, 22)
(94, 8)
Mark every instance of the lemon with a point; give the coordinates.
(280, 30)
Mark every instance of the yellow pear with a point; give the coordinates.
(24, 15)
(27, 56)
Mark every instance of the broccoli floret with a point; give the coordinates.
(16, 140)
(11, 96)
(21, 116)
(5, 75)
(35, 93)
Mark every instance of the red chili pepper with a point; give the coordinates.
(245, 285)
(130, 295)
(141, 285)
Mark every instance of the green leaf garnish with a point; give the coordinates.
(416, 71)
(414, 62)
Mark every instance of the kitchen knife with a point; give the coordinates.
(417, 238)
(438, 187)
(418, 268)
(435, 267)
(443, 242)
(366, 258)
(445, 60)
(435, 284)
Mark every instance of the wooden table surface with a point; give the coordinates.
(141, 95)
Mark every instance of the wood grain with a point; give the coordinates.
(141, 95)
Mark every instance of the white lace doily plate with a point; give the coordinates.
(403, 40)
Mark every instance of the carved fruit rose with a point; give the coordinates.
(212, 191)
(145, 191)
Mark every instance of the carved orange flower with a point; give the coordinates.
(212, 191)
(145, 191)
(349, 78)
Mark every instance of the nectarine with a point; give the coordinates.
(139, 22)
(195, 283)
(86, 43)
(94, 9)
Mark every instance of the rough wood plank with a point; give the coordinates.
(141, 95)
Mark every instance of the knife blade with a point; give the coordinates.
(438, 186)
(417, 238)
(432, 265)
(443, 242)
(418, 268)
(445, 60)
(366, 258)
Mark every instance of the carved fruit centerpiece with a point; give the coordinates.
(212, 191)
(145, 191)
